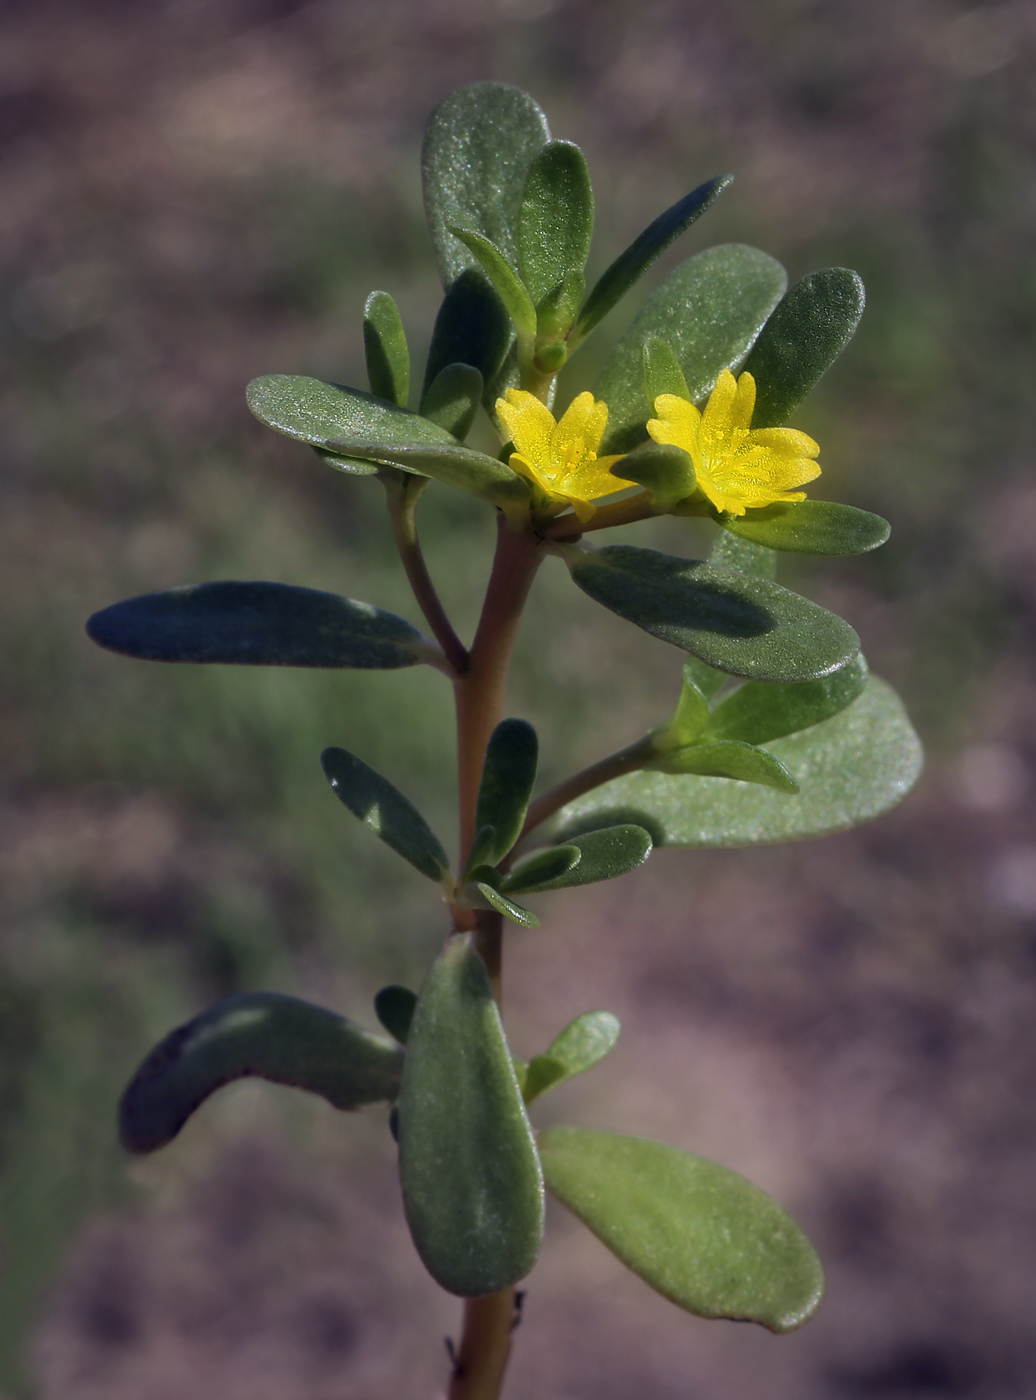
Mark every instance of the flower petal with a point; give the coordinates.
(530, 423)
(580, 427)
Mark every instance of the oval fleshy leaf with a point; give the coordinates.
(809, 329)
(811, 527)
(352, 466)
(731, 759)
(383, 808)
(696, 1232)
(709, 311)
(479, 144)
(544, 866)
(508, 285)
(758, 713)
(604, 855)
(582, 1044)
(556, 218)
(849, 769)
(456, 465)
(730, 551)
(472, 1185)
(666, 471)
(742, 625)
(261, 1034)
(642, 252)
(260, 624)
(394, 1007)
(510, 910)
(453, 398)
(507, 779)
(662, 372)
(385, 349)
(472, 328)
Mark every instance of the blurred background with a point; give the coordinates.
(194, 193)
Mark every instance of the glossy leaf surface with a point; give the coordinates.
(385, 349)
(811, 527)
(453, 398)
(666, 471)
(582, 1044)
(807, 332)
(507, 778)
(479, 144)
(730, 551)
(742, 625)
(699, 1234)
(556, 219)
(508, 285)
(605, 854)
(849, 768)
(729, 758)
(472, 1185)
(394, 1007)
(759, 713)
(383, 808)
(557, 309)
(631, 264)
(544, 866)
(662, 372)
(328, 415)
(690, 716)
(709, 311)
(259, 624)
(456, 465)
(264, 1035)
(352, 466)
(472, 327)
(503, 905)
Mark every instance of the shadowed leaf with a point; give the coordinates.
(385, 349)
(758, 712)
(394, 1008)
(507, 778)
(383, 808)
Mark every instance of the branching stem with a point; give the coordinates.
(402, 502)
(616, 765)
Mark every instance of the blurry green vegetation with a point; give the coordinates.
(167, 836)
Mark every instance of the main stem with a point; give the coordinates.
(485, 1346)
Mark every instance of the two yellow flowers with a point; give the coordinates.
(737, 467)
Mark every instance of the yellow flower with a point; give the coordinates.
(560, 457)
(737, 466)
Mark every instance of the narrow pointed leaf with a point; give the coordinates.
(261, 1034)
(386, 811)
(759, 713)
(811, 527)
(507, 778)
(542, 867)
(472, 1185)
(507, 907)
(739, 624)
(506, 281)
(666, 471)
(478, 147)
(642, 252)
(582, 1044)
(662, 372)
(730, 551)
(394, 1007)
(728, 758)
(849, 769)
(386, 350)
(472, 328)
(482, 848)
(604, 854)
(556, 218)
(260, 624)
(699, 1234)
(709, 311)
(809, 329)
(453, 398)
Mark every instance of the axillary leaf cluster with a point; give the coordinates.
(777, 731)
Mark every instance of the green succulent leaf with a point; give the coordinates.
(386, 350)
(260, 624)
(261, 1034)
(457, 466)
(730, 551)
(556, 311)
(604, 855)
(453, 398)
(809, 329)
(471, 328)
(352, 466)
(542, 867)
(472, 1185)
(849, 769)
(631, 264)
(556, 218)
(507, 779)
(742, 625)
(811, 527)
(699, 1234)
(709, 311)
(690, 716)
(662, 372)
(478, 147)
(728, 758)
(582, 1044)
(508, 284)
(386, 811)
(505, 906)
(394, 1007)
(666, 471)
(758, 713)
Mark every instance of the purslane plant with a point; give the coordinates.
(778, 731)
